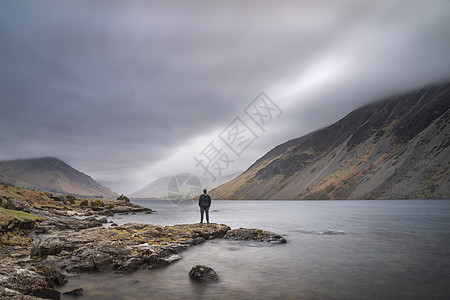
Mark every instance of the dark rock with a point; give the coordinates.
(54, 222)
(70, 199)
(59, 198)
(75, 292)
(133, 263)
(154, 262)
(103, 261)
(203, 273)
(45, 292)
(82, 261)
(49, 245)
(18, 281)
(255, 235)
(52, 274)
(113, 224)
(332, 232)
(18, 224)
(103, 220)
(6, 293)
(108, 213)
(197, 241)
(14, 204)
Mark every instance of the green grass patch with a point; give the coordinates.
(14, 238)
(7, 215)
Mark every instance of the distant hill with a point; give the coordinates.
(156, 189)
(159, 188)
(51, 175)
(391, 149)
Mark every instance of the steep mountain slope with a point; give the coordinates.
(52, 175)
(391, 149)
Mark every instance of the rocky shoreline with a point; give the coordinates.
(44, 245)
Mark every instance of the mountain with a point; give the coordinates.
(163, 188)
(391, 149)
(52, 175)
(156, 189)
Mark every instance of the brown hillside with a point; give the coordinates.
(391, 149)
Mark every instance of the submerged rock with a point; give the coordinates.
(259, 235)
(332, 232)
(75, 292)
(203, 273)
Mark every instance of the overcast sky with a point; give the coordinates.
(130, 91)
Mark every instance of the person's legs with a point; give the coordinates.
(207, 214)
(202, 210)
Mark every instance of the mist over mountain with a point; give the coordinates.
(51, 175)
(162, 189)
(156, 189)
(391, 149)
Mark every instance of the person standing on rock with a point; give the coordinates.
(204, 202)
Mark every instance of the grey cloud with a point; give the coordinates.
(114, 87)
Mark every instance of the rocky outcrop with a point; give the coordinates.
(52, 274)
(14, 204)
(203, 273)
(60, 244)
(121, 249)
(66, 223)
(22, 283)
(15, 224)
(244, 234)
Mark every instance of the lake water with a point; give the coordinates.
(390, 250)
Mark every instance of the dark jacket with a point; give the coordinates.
(204, 200)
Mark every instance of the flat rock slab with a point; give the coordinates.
(244, 234)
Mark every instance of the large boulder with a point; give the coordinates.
(254, 235)
(14, 204)
(203, 273)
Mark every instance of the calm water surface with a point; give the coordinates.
(390, 250)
